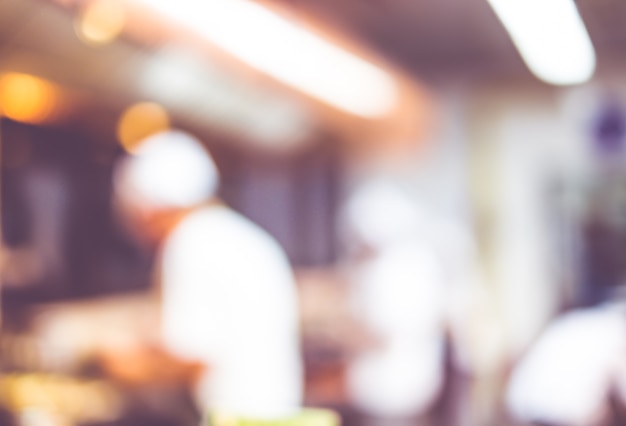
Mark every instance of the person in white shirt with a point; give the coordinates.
(228, 295)
(567, 375)
(399, 294)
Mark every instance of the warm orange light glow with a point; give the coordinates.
(27, 98)
(140, 121)
(101, 22)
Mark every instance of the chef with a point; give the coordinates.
(227, 291)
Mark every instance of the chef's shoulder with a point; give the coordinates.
(221, 228)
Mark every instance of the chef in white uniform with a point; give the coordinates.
(227, 290)
(399, 295)
(567, 375)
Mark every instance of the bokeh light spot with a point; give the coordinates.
(140, 121)
(27, 98)
(101, 22)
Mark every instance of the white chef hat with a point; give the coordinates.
(380, 212)
(168, 170)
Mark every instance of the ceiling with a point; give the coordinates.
(433, 40)
(439, 39)
(426, 37)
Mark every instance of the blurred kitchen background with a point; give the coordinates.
(489, 141)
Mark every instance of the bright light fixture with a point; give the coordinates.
(287, 52)
(551, 38)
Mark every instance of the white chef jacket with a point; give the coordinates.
(566, 376)
(228, 299)
(400, 295)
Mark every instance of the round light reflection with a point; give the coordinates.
(101, 22)
(140, 121)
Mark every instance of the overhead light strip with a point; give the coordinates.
(287, 52)
(551, 38)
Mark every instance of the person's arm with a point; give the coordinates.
(147, 364)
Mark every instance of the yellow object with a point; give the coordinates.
(306, 417)
(76, 400)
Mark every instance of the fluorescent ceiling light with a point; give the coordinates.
(287, 52)
(207, 94)
(551, 38)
